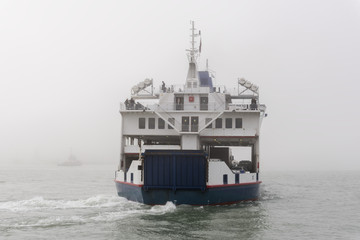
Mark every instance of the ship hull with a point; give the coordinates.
(212, 195)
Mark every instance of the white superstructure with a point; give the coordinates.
(193, 116)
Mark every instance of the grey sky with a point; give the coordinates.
(66, 65)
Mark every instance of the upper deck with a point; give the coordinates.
(178, 98)
(203, 111)
(193, 114)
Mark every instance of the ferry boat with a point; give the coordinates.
(180, 143)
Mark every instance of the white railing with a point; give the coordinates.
(250, 107)
(193, 107)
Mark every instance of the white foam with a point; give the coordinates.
(134, 209)
(162, 209)
(51, 221)
(36, 203)
(199, 208)
(97, 209)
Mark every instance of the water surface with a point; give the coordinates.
(52, 202)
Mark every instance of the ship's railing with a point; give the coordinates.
(189, 106)
(171, 88)
(193, 107)
(133, 106)
(180, 88)
(244, 107)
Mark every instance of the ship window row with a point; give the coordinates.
(151, 123)
(218, 123)
(229, 122)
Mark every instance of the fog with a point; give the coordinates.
(66, 65)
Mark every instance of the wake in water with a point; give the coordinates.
(41, 212)
(39, 203)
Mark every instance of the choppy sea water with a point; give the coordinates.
(52, 202)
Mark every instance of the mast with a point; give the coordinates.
(192, 79)
(193, 50)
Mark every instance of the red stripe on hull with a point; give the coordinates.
(227, 136)
(232, 185)
(228, 203)
(131, 184)
(208, 186)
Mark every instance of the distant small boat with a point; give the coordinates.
(72, 161)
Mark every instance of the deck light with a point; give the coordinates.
(248, 85)
(142, 85)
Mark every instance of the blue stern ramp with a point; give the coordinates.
(180, 176)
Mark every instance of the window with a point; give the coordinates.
(225, 179)
(207, 120)
(228, 122)
(238, 122)
(132, 177)
(237, 178)
(218, 123)
(179, 103)
(185, 124)
(194, 124)
(204, 103)
(172, 121)
(161, 123)
(141, 123)
(151, 123)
